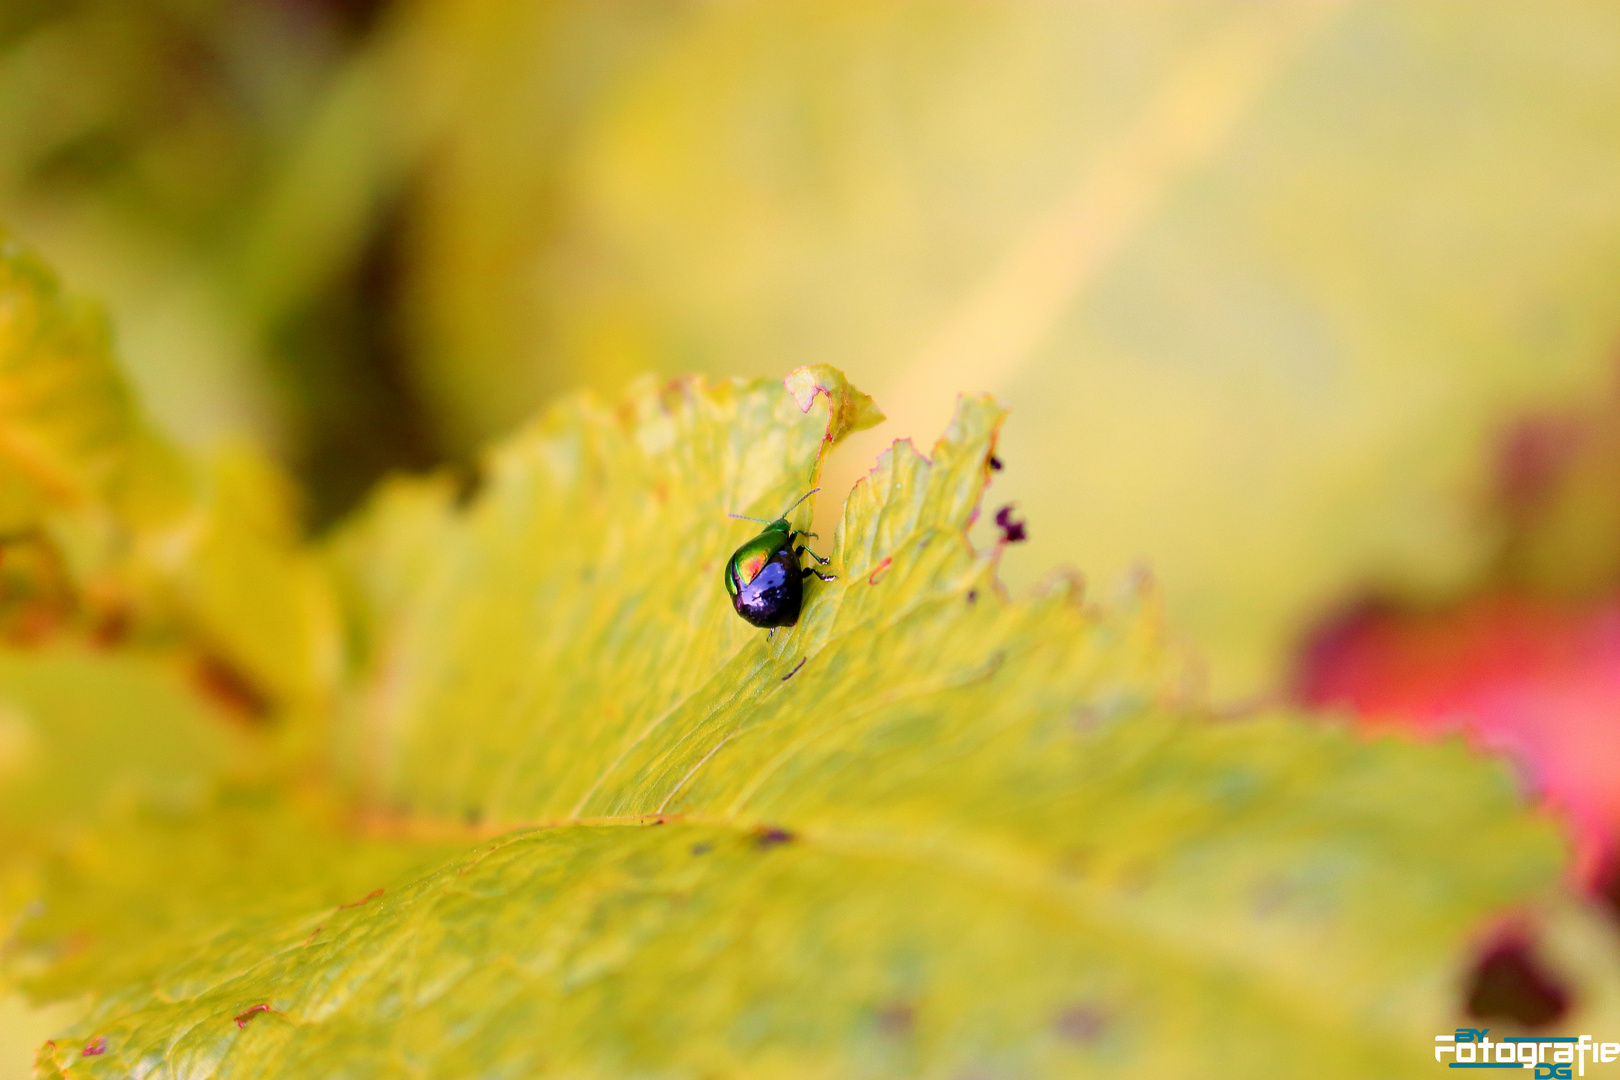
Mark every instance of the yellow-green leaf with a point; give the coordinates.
(929, 830)
(82, 729)
(66, 417)
(121, 527)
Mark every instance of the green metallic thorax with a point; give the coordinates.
(748, 560)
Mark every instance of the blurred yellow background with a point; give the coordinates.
(1261, 282)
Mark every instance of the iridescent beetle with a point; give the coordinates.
(763, 576)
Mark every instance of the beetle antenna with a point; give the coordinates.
(785, 513)
(803, 497)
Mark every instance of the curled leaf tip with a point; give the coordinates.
(851, 409)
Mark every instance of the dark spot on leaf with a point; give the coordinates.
(1012, 532)
(228, 687)
(973, 595)
(111, 628)
(795, 670)
(873, 577)
(1511, 984)
(473, 815)
(94, 1048)
(1081, 1023)
(896, 1021)
(242, 1020)
(702, 849)
(364, 900)
(770, 837)
(995, 463)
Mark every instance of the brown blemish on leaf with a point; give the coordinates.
(226, 686)
(363, 901)
(772, 836)
(313, 934)
(796, 667)
(111, 628)
(874, 576)
(242, 1020)
(94, 1048)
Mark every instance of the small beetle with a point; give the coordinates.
(763, 576)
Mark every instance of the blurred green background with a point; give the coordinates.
(1261, 282)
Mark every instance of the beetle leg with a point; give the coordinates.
(803, 550)
(772, 634)
(807, 571)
